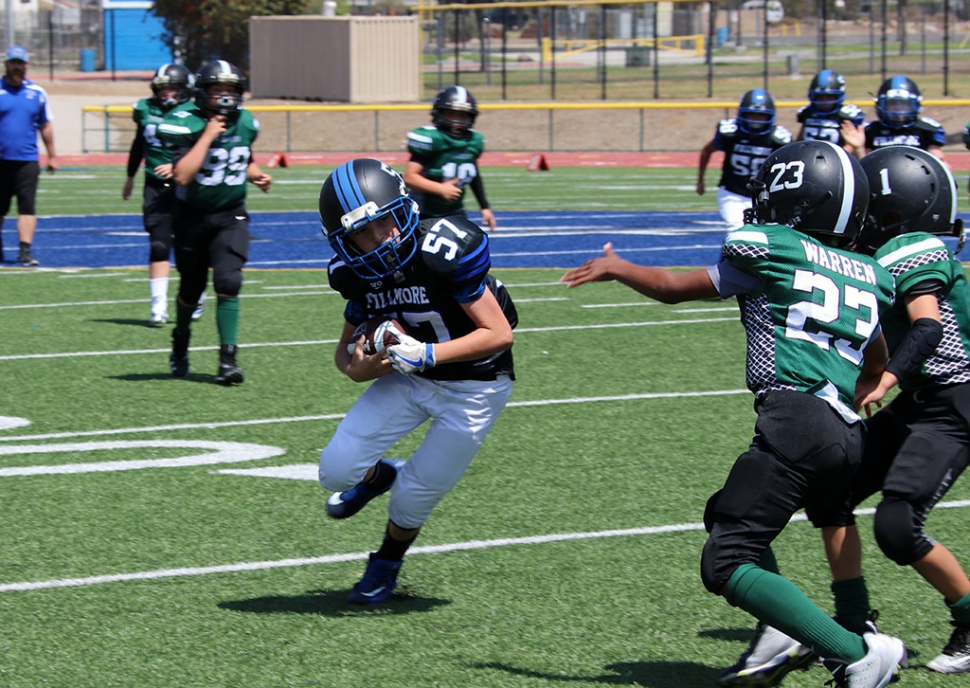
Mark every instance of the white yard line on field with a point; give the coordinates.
(243, 567)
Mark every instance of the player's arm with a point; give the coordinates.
(351, 360)
(415, 179)
(801, 133)
(255, 174)
(478, 188)
(924, 335)
(47, 135)
(135, 154)
(937, 151)
(187, 166)
(655, 283)
(706, 152)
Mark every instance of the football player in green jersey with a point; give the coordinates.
(811, 313)
(444, 158)
(919, 445)
(172, 84)
(211, 141)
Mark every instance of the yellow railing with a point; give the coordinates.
(544, 126)
(576, 46)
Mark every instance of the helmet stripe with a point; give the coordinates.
(462, 94)
(224, 67)
(348, 191)
(848, 195)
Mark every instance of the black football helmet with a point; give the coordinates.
(173, 76)
(814, 187)
(220, 72)
(910, 191)
(827, 83)
(454, 99)
(357, 193)
(898, 102)
(758, 101)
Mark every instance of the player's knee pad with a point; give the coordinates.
(158, 250)
(709, 511)
(715, 569)
(334, 473)
(898, 533)
(227, 283)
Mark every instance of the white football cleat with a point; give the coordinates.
(878, 668)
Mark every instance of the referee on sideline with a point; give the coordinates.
(24, 111)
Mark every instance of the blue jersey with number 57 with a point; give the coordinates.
(813, 312)
(450, 268)
(744, 153)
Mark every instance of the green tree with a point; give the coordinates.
(201, 30)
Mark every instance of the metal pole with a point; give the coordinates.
(488, 50)
(872, 37)
(711, 30)
(50, 40)
(765, 58)
(603, 51)
(542, 62)
(457, 41)
(11, 34)
(885, 22)
(552, 55)
(946, 47)
(656, 52)
(823, 36)
(505, 47)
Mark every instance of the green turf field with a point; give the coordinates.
(567, 556)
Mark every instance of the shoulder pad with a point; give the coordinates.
(852, 112)
(803, 112)
(928, 123)
(727, 128)
(781, 135)
(455, 248)
(966, 136)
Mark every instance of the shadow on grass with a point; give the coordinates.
(651, 674)
(741, 635)
(333, 603)
(128, 322)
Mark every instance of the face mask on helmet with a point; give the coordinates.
(356, 194)
(756, 114)
(826, 93)
(911, 191)
(814, 187)
(225, 100)
(172, 85)
(898, 102)
(454, 112)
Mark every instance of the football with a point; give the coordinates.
(380, 332)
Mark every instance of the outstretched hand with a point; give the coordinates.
(595, 270)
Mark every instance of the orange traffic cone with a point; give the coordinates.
(537, 162)
(278, 160)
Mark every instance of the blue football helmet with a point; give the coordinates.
(354, 195)
(756, 101)
(827, 83)
(898, 102)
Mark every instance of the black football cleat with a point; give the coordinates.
(229, 373)
(179, 359)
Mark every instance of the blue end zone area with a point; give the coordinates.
(562, 239)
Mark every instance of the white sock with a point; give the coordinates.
(159, 289)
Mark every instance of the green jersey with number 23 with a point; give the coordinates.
(814, 312)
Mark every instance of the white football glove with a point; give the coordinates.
(411, 356)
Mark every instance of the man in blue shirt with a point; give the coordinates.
(24, 111)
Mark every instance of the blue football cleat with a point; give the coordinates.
(378, 582)
(347, 503)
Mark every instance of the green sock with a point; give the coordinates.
(779, 603)
(960, 610)
(851, 600)
(183, 316)
(227, 319)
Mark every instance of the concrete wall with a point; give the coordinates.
(338, 59)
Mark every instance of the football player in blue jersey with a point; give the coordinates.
(898, 105)
(745, 141)
(453, 365)
(827, 117)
